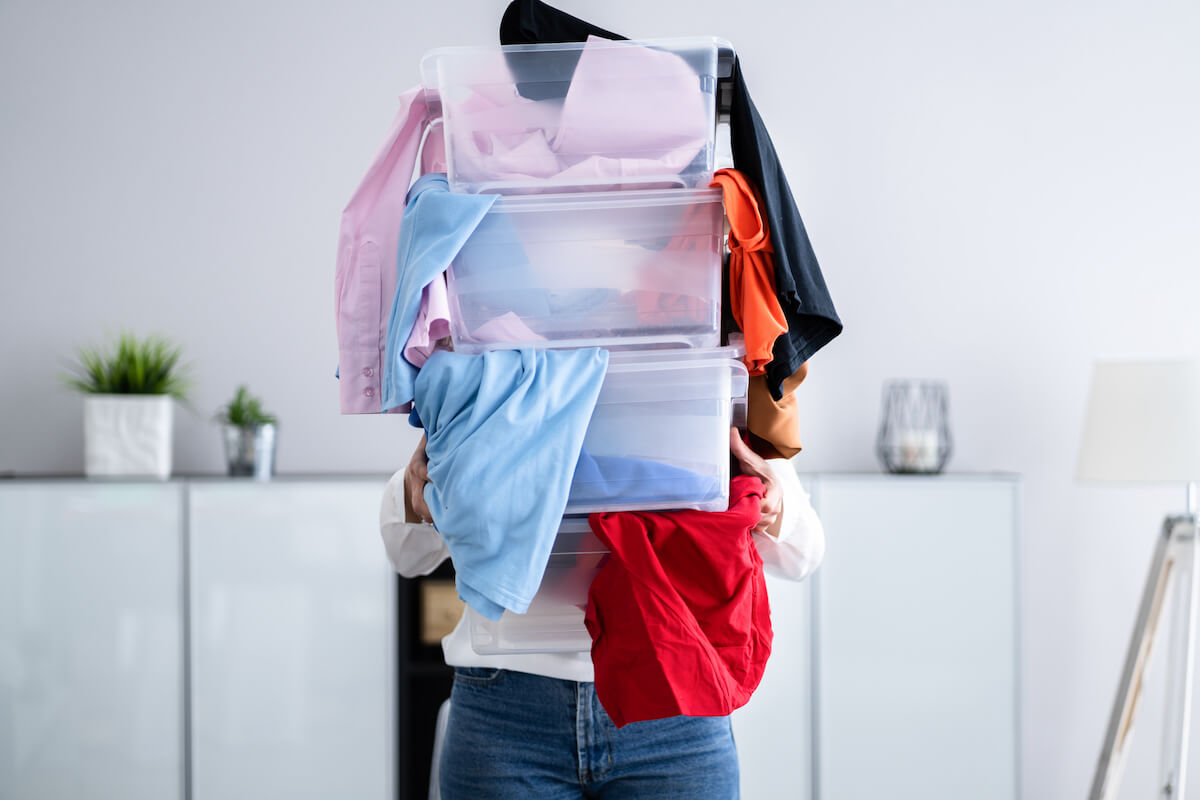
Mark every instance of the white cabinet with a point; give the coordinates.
(91, 641)
(915, 653)
(293, 635)
(894, 669)
(275, 679)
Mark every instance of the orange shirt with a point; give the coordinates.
(752, 299)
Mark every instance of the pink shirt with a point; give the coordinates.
(365, 279)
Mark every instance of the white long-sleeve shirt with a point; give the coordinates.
(417, 549)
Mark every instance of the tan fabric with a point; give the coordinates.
(774, 425)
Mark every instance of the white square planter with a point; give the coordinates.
(127, 435)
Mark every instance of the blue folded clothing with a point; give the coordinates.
(436, 225)
(609, 480)
(504, 431)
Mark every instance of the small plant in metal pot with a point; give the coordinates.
(249, 434)
(129, 392)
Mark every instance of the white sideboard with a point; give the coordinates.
(201, 639)
(219, 639)
(894, 669)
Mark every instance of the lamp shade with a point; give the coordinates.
(1143, 423)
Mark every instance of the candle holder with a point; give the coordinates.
(914, 433)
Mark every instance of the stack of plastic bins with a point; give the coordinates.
(606, 236)
(640, 270)
(577, 116)
(661, 429)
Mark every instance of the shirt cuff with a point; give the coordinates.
(358, 384)
(795, 499)
(413, 548)
(800, 546)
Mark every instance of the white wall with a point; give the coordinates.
(999, 193)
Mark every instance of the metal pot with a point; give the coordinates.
(250, 450)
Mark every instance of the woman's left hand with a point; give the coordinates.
(771, 504)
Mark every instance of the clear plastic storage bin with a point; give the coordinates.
(659, 435)
(616, 114)
(610, 269)
(554, 621)
(658, 439)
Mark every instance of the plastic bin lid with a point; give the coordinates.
(590, 201)
(575, 537)
(734, 350)
(724, 52)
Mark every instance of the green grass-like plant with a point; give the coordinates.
(131, 366)
(244, 410)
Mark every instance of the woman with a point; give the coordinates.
(530, 726)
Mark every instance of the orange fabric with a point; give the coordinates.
(752, 299)
(659, 303)
(774, 425)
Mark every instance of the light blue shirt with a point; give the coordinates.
(504, 431)
(436, 225)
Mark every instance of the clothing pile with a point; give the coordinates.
(549, 299)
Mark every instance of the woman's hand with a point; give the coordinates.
(416, 475)
(771, 504)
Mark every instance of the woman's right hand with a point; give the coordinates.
(751, 463)
(416, 475)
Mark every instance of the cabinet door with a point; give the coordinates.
(915, 652)
(293, 642)
(91, 648)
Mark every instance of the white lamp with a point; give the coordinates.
(1143, 426)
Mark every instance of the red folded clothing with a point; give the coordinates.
(679, 617)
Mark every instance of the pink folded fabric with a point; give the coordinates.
(500, 136)
(433, 323)
(507, 327)
(661, 126)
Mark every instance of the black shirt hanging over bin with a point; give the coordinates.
(812, 320)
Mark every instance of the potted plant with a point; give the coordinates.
(128, 406)
(249, 435)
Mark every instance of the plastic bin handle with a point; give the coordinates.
(737, 414)
(724, 94)
(725, 56)
(739, 380)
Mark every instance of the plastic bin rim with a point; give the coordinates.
(690, 355)
(576, 529)
(629, 198)
(667, 366)
(676, 42)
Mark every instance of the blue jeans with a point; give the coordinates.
(514, 735)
